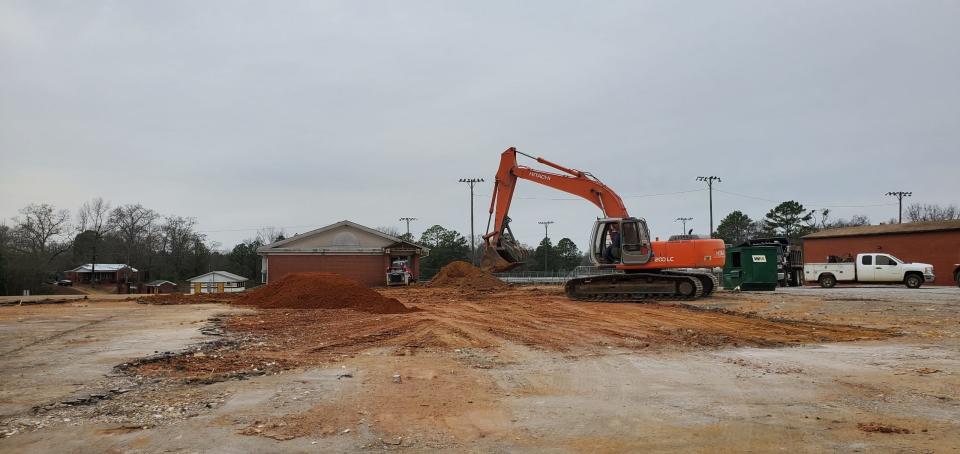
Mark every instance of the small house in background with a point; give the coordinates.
(104, 273)
(217, 282)
(157, 287)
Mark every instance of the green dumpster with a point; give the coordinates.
(750, 268)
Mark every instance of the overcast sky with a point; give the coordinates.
(300, 114)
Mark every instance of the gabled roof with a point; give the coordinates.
(887, 229)
(158, 283)
(102, 267)
(281, 243)
(225, 274)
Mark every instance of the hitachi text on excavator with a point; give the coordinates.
(674, 269)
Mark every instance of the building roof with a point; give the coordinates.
(158, 283)
(887, 229)
(281, 243)
(226, 274)
(102, 267)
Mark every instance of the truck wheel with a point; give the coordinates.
(958, 278)
(827, 281)
(913, 281)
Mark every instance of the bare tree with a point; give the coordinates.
(917, 212)
(392, 231)
(854, 221)
(269, 235)
(40, 231)
(820, 219)
(179, 241)
(92, 217)
(134, 224)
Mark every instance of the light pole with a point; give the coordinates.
(408, 224)
(900, 195)
(710, 181)
(546, 244)
(473, 246)
(684, 220)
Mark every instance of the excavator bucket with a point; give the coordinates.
(499, 259)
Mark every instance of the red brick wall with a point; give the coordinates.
(940, 249)
(368, 269)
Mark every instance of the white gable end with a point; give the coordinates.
(344, 237)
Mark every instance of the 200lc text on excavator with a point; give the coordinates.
(640, 268)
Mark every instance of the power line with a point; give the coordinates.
(900, 195)
(709, 180)
(249, 229)
(636, 196)
(473, 246)
(408, 220)
(546, 243)
(807, 202)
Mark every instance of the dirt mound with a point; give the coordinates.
(465, 276)
(186, 298)
(321, 291)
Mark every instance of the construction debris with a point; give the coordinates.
(882, 428)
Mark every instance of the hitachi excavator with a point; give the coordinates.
(636, 268)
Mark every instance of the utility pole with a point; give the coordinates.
(546, 246)
(408, 224)
(710, 181)
(684, 220)
(900, 195)
(473, 246)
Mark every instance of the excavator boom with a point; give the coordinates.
(649, 268)
(501, 252)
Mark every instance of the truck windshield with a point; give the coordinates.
(895, 259)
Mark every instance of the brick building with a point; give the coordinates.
(936, 243)
(103, 273)
(346, 248)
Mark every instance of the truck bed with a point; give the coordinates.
(846, 271)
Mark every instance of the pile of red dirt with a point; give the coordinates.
(321, 291)
(186, 298)
(465, 276)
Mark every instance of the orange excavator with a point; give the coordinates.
(631, 267)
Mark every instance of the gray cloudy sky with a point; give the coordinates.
(248, 114)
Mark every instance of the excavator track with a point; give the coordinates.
(666, 285)
(709, 280)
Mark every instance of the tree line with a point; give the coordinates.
(792, 220)
(42, 241)
(447, 245)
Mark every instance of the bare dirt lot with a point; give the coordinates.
(514, 370)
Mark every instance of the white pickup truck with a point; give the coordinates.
(872, 268)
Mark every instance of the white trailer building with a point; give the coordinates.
(217, 282)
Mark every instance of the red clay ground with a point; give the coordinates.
(443, 320)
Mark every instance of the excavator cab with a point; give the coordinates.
(634, 242)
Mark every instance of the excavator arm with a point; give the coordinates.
(501, 252)
(671, 269)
